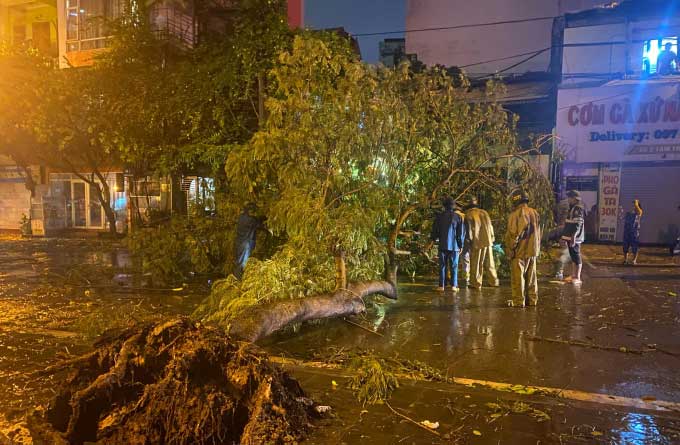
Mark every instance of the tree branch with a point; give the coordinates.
(263, 321)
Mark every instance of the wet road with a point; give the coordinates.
(56, 295)
(471, 334)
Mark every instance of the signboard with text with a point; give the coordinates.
(619, 122)
(11, 173)
(610, 186)
(582, 183)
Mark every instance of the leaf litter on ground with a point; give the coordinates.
(502, 408)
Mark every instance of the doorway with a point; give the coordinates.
(41, 37)
(86, 210)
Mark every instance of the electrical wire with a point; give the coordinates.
(535, 54)
(502, 58)
(444, 28)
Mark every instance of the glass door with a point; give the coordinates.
(79, 204)
(86, 210)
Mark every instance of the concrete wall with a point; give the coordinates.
(610, 58)
(296, 16)
(472, 45)
(601, 59)
(15, 200)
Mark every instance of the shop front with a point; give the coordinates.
(73, 203)
(621, 142)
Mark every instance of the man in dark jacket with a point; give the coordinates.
(244, 244)
(447, 229)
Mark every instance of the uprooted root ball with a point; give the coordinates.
(175, 383)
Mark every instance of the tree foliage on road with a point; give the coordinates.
(350, 158)
(344, 161)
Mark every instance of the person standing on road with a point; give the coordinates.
(631, 232)
(447, 229)
(574, 234)
(523, 245)
(562, 255)
(480, 238)
(244, 244)
(465, 250)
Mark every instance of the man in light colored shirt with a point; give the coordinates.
(480, 238)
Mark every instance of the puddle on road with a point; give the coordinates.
(472, 334)
(56, 296)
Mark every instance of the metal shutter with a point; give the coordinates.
(658, 189)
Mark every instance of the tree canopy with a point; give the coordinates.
(351, 156)
(344, 161)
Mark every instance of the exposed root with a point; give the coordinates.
(175, 383)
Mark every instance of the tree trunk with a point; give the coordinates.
(104, 195)
(29, 183)
(111, 218)
(340, 271)
(270, 318)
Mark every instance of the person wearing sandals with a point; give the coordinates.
(574, 234)
(631, 232)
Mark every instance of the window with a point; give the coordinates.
(86, 23)
(651, 51)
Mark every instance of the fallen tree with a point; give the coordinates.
(346, 173)
(176, 382)
(263, 321)
(181, 382)
(348, 160)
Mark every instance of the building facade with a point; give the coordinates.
(72, 32)
(31, 23)
(507, 39)
(443, 35)
(618, 115)
(24, 24)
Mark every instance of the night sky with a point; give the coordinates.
(358, 16)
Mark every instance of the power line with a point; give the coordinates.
(443, 28)
(502, 58)
(535, 54)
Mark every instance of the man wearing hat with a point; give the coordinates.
(480, 238)
(523, 245)
(574, 234)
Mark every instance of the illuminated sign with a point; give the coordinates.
(620, 122)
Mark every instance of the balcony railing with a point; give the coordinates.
(171, 23)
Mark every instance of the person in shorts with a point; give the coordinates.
(631, 232)
(574, 234)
